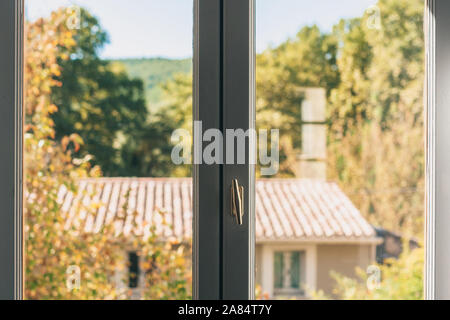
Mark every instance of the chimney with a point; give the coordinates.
(312, 161)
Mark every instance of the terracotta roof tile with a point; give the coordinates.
(286, 209)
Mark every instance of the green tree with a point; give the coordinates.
(376, 136)
(154, 72)
(97, 101)
(150, 153)
(348, 101)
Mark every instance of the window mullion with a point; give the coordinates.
(238, 113)
(207, 192)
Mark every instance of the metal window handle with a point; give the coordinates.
(237, 201)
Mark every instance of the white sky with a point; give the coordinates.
(147, 28)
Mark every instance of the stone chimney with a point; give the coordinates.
(312, 161)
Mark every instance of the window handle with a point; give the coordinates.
(237, 201)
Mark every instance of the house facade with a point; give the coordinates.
(305, 228)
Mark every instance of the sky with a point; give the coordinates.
(163, 28)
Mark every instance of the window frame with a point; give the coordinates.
(290, 291)
(223, 69)
(437, 237)
(223, 99)
(134, 262)
(309, 265)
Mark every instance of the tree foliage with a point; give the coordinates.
(376, 138)
(154, 72)
(98, 102)
(150, 154)
(308, 60)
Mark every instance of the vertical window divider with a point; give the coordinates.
(207, 191)
(238, 114)
(223, 251)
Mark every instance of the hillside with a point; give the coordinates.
(154, 71)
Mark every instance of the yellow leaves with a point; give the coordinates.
(95, 172)
(65, 142)
(52, 109)
(146, 265)
(96, 205)
(55, 70)
(68, 34)
(64, 56)
(42, 49)
(75, 139)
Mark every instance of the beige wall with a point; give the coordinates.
(342, 259)
(258, 263)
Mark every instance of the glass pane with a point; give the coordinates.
(339, 90)
(279, 270)
(133, 270)
(108, 209)
(295, 270)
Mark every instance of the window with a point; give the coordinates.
(223, 87)
(289, 273)
(134, 270)
(286, 270)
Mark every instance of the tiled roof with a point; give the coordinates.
(309, 210)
